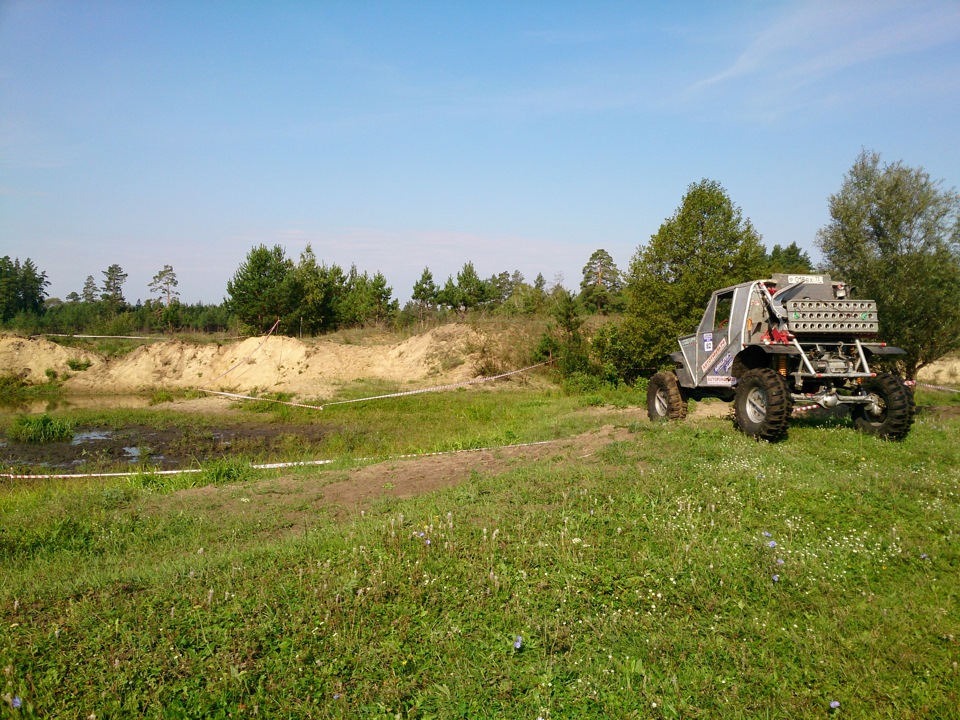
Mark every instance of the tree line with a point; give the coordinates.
(894, 234)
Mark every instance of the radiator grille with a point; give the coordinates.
(857, 317)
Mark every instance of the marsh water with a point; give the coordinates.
(128, 445)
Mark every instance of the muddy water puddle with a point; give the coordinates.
(163, 448)
(75, 402)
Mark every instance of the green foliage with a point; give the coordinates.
(161, 396)
(706, 245)
(602, 283)
(12, 385)
(264, 288)
(113, 279)
(100, 318)
(78, 365)
(40, 429)
(894, 234)
(789, 259)
(564, 341)
(619, 346)
(226, 470)
(425, 294)
(22, 288)
(505, 293)
(163, 283)
(469, 292)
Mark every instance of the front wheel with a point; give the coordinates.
(664, 399)
(889, 412)
(762, 405)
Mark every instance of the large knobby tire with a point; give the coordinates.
(664, 399)
(890, 412)
(762, 405)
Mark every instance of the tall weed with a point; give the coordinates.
(40, 429)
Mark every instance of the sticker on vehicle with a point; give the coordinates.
(714, 355)
(721, 380)
(723, 367)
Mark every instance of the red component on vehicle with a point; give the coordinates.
(779, 336)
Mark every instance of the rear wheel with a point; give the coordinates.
(664, 399)
(762, 405)
(889, 412)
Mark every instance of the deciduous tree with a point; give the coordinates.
(894, 234)
(706, 245)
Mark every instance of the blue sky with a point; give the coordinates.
(399, 135)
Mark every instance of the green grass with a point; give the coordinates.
(40, 429)
(79, 365)
(14, 389)
(639, 576)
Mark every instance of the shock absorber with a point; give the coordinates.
(782, 365)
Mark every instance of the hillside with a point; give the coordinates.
(278, 364)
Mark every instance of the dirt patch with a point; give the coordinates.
(342, 494)
(408, 477)
(169, 448)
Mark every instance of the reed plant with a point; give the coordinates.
(40, 429)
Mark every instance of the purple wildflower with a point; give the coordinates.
(518, 642)
(16, 702)
(923, 556)
(772, 543)
(766, 534)
(776, 578)
(779, 561)
(427, 541)
(336, 696)
(834, 704)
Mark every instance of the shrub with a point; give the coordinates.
(40, 429)
(12, 384)
(78, 365)
(226, 470)
(161, 396)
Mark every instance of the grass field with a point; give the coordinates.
(665, 571)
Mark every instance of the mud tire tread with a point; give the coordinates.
(779, 405)
(900, 408)
(666, 385)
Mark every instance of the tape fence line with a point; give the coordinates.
(437, 388)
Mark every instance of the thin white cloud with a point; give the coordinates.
(818, 40)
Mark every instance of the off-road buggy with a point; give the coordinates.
(768, 344)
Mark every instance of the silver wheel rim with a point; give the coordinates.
(876, 408)
(660, 401)
(756, 405)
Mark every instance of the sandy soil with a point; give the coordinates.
(278, 364)
(312, 368)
